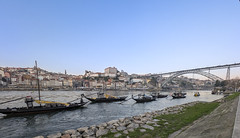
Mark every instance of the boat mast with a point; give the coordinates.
(103, 86)
(38, 83)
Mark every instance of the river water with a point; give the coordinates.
(93, 114)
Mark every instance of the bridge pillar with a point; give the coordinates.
(228, 73)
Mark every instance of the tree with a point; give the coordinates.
(224, 83)
(153, 81)
(217, 83)
(221, 83)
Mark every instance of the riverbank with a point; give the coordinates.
(172, 119)
(87, 89)
(94, 114)
(151, 124)
(212, 125)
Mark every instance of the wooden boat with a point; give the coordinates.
(178, 95)
(183, 93)
(48, 107)
(196, 94)
(143, 98)
(105, 98)
(158, 95)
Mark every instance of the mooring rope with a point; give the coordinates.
(12, 100)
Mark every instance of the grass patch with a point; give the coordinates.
(172, 122)
(232, 96)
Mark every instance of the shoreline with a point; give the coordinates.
(211, 125)
(126, 125)
(90, 89)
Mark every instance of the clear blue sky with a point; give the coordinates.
(137, 36)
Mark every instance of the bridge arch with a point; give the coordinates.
(206, 74)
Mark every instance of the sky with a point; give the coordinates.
(137, 36)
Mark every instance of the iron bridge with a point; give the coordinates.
(205, 71)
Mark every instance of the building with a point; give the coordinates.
(124, 74)
(110, 70)
(1, 73)
(14, 80)
(68, 82)
(7, 74)
(94, 75)
(137, 81)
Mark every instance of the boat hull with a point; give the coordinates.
(39, 109)
(101, 100)
(177, 97)
(144, 100)
(160, 96)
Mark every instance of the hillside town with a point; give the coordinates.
(25, 79)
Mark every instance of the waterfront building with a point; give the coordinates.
(95, 84)
(54, 83)
(7, 74)
(1, 73)
(14, 80)
(67, 82)
(137, 80)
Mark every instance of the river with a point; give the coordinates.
(49, 123)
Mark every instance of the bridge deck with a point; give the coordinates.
(203, 69)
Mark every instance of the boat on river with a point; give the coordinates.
(102, 97)
(142, 98)
(177, 95)
(44, 106)
(48, 107)
(196, 94)
(158, 95)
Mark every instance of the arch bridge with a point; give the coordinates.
(205, 71)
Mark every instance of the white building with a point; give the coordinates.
(137, 80)
(125, 79)
(51, 83)
(94, 75)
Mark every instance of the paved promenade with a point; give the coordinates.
(236, 129)
(219, 124)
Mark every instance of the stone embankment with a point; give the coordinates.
(123, 125)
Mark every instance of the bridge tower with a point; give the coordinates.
(228, 73)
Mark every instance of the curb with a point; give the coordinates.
(236, 128)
